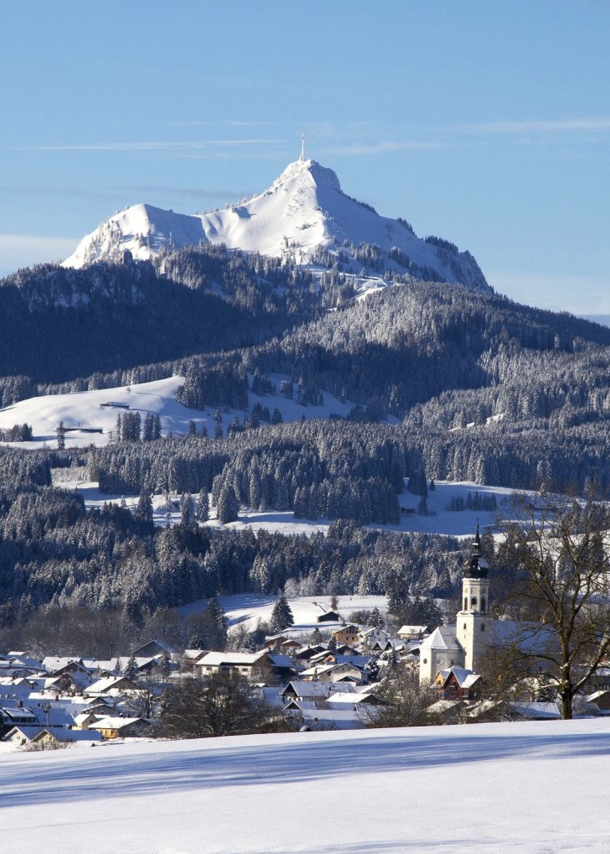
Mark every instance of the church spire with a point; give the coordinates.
(476, 567)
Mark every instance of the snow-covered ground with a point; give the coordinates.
(97, 411)
(538, 788)
(249, 608)
(439, 521)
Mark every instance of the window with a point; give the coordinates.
(482, 627)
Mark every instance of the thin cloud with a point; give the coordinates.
(153, 146)
(382, 147)
(540, 126)
(185, 192)
(55, 191)
(224, 123)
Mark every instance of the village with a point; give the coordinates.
(334, 677)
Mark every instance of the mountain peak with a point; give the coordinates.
(299, 169)
(304, 217)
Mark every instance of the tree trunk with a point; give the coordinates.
(565, 696)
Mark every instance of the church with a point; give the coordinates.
(460, 645)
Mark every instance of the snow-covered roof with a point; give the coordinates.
(236, 659)
(109, 683)
(117, 723)
(53, 663)
(442, 638)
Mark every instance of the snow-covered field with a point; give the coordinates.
(539, 788)
(97, 411)
(439, 521)
(249, 608)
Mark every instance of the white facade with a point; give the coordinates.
(473, 623)
(439, 651)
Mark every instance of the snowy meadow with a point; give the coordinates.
(527, 787)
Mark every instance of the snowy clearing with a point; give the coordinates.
(249, 608)
(91, 416)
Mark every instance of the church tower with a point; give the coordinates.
(473, 629)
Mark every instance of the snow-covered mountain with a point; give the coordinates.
(304, 217)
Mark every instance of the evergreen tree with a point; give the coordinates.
(281, 616)
(228, 506)
(203, 506)
(187, 512)
(144, 512)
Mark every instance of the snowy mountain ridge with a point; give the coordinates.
(303, 217)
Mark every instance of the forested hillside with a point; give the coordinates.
(445, 382)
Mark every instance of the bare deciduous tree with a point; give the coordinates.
(221, 704)
(560, 546)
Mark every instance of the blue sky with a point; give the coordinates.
(486, 122)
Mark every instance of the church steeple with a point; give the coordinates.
(476, 566)
(473, 619)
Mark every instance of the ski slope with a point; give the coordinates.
(532, 788)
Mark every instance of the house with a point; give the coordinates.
(348, 634)
(116, 727)
(110, 686)
(457, 683)
(14, 714)
(600, 699)
(248, 664)
(307, 652)
(329, 616)
(190, 657)
(535, 711)
(85, 719)
(374, 639)
(262, 666)
(448, 711)
(314, 691)
(413, 632)
(343, 699)
(151, 649)
(334, 673)
(49, 737)
(56, 665)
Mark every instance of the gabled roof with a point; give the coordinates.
(234, 659)
(442, 638)
(118, 683)
(465, 678)
(53, 663)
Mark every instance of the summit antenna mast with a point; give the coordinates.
(302, 146)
